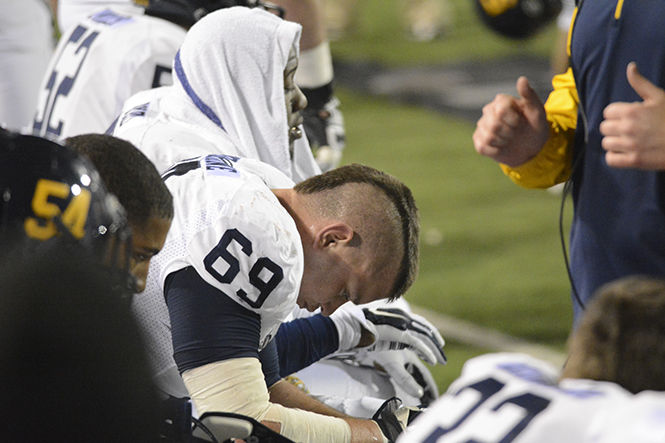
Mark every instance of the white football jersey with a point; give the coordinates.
(516, 398)
(166, 140)
(98, 64)
(641, 419)
(230, 227)
(26, 44)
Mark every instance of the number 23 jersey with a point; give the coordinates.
(516, 398)
(230, 227)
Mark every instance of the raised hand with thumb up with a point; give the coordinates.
(512, 130)
(634, 133)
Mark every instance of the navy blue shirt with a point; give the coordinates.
(619, 222)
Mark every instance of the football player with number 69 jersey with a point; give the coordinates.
(610, 389)
(245, 247)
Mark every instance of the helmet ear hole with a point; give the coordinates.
(517, 19)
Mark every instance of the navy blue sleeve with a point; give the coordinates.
(270, 363)
(207, 325)
(304, 341)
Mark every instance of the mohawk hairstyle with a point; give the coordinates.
(400, 196)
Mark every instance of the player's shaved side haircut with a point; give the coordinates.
(622, 335)
(128, 174)
(382, 203)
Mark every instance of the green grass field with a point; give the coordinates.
(493, 253)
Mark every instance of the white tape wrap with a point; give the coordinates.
(237, 385)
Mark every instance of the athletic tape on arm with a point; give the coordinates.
(237, 385)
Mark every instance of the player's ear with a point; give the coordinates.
(333, 234)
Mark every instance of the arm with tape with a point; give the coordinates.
(215, 343)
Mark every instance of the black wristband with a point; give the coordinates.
(319, 96)
(386, 419)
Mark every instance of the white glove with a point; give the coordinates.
(348, 320)
(406, 370)
(392, 329)
(395, 328)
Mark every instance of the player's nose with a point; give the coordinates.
(140, 274)
(299, 100)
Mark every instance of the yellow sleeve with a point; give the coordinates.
(553, 163)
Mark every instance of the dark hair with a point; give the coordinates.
(54, 198)
(128, 174)
(399, 195)
(623, 331)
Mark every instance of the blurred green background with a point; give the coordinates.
(490, 251)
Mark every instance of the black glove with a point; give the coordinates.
(324, 126)
(393, 417)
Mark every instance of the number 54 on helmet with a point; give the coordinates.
(53, 200)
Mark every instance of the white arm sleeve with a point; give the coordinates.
(237, 385)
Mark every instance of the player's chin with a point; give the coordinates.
(303, 304)
(311, 308)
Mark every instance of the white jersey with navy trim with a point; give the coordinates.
(98, 64)
(516, 398)
(166, 140)
(230, 227)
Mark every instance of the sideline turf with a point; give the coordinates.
(493, 254)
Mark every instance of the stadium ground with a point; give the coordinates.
(492, 273)
(457, 89)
